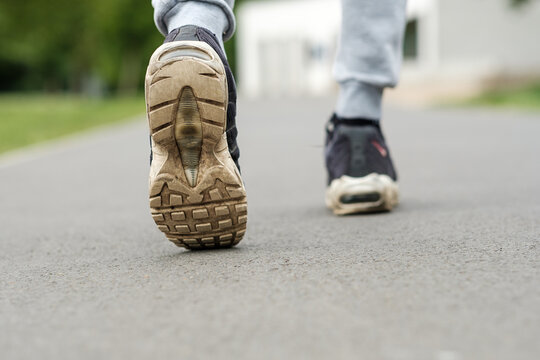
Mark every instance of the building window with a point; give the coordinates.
(410, 43)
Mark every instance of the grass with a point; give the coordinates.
(28, 119)
(525, 98)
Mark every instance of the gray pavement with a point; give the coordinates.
(452, 273)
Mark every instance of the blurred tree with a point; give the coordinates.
(63, 44)
(66, 45)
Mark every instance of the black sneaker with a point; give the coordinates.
(197, 196)
(361, 176)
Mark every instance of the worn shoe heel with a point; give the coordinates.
(197, 197)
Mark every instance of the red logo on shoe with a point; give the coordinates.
(379, 147)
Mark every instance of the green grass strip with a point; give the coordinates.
(524, 98)
(28, 119)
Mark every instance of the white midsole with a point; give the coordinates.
(373, 183)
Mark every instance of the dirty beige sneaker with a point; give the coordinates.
(197, 197)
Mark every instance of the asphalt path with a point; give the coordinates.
(451, 274)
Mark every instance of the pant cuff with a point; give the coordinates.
(359, 100)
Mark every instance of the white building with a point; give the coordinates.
(287, 47)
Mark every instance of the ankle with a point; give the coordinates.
(201, 14)
(359, 100)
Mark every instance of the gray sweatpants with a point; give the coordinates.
(369, 51)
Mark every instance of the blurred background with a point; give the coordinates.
(67, 66)
(452, 49)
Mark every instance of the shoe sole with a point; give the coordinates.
(371, 193)
(197, 197)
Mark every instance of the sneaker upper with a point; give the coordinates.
(195, 33)
(356, 148)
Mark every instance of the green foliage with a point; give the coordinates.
(63, 44)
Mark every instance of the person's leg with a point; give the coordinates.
(361, 175)
(214, 15)
(197, 196)
(369, 55)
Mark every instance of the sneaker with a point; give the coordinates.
(361, 176)
(197, 197)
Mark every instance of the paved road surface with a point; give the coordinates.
(452, 274)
